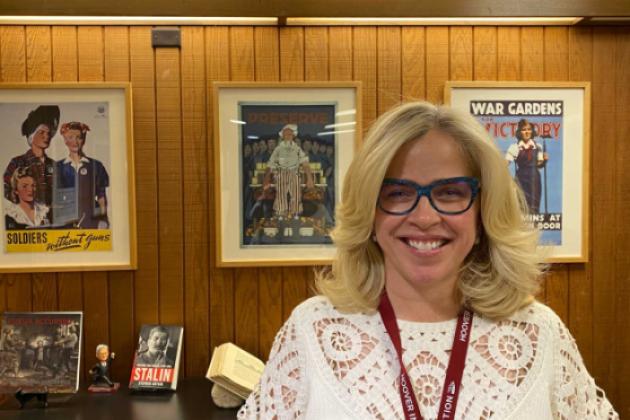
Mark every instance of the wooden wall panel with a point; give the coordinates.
(267, 53)
(245, 279)
(170, 188)
(122, 337)
(96, 299)
(340, 53)
(413, 78)
(580, 275)
(221, 280)
(508, 53)
(38, 54)
(622, 194)
(388, 68)
(460, 53)
(64, 54)
(142, 74)
(364, 70)
(485, 53)
(13, 53)
(556, 67)
(437, 63)
(196, 215)
(177, 280)
(532, 53)
(603, 205)
(316, 54)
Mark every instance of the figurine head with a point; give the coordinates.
(102, 352)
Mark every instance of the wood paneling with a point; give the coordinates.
(509, 53)
(122, 337)
(580, 301)
(388, 68)
(485, 52)
(196, 237)
(177, 280)
(142, 73)
(364, 70)
(413, 64)
(460, 53)
(221, 281)
(437, 64)
(622, 195)
(604, 208)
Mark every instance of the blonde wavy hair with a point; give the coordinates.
(502, 272)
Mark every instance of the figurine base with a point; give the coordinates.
(104, 389)
(24, 397)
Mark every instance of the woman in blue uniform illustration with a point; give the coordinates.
(528, 157)
(84, 179)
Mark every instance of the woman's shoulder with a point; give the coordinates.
(315, 304)
(319, 307)
(538, 312)
(536, 319)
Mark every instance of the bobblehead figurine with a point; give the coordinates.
(100, 371)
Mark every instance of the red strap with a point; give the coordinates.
(454, 372)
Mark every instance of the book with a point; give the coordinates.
(235, 369)
(40, 352)
(156, 361)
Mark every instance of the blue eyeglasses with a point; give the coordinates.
(447, 196)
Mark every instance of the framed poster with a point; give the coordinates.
(281, 151)
(543, 130)
(68, 198)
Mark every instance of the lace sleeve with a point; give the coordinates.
(281, 392)
(576, 396)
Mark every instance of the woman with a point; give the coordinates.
(24, 212)
(430, 242)
(84, 178)
(528, 156)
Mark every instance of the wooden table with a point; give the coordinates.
(191, 401)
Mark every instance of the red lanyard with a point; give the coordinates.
(450, 390)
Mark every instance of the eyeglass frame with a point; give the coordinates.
(425, 190)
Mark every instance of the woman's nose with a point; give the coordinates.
(424, 214)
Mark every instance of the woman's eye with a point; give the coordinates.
(397, 193)
(451, 192)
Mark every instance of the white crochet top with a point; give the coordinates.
(329, 365)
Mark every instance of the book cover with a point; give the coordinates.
(40, 351)
(235, 369)
(156, 361)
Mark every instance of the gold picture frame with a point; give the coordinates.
(254, 226)
(71, 144)
(552, 164)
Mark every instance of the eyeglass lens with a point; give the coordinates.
(453, 197)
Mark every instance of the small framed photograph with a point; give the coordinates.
(68, 196)
(543, 130)
(281, 151)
